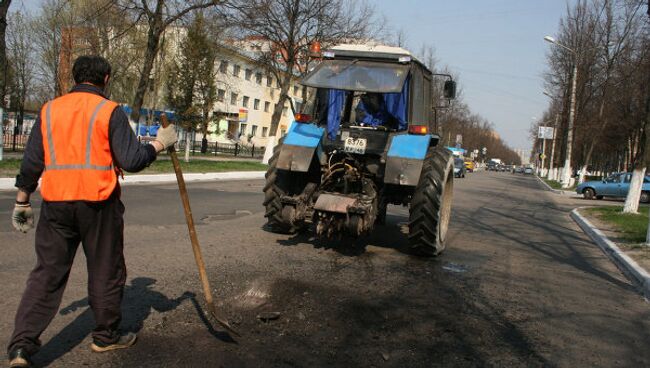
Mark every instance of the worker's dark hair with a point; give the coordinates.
(91, 69)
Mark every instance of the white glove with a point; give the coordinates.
(23, 217)
(167, 136)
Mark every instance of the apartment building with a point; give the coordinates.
(246, 96)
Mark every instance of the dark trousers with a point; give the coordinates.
(99, 227)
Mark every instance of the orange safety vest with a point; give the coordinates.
(78, 160)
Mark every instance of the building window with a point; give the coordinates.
(248, 74)
(267, 106)
(233, 98)
(245, 101)
(269, 81)
(242, 130)
(258, 78)
(295, 90)
(221, 95)
(254, 130)
(256, 104)
(235, 70)
(265, 131)
(285, 110)
(223, 68)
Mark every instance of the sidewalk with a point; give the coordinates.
(636, 271)
(8, 183)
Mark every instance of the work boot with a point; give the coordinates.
(123, 342)
(19, 359)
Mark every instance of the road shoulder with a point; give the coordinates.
(624, 262)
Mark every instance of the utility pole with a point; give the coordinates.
(566, 176)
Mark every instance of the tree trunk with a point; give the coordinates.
(634, 194)
(188, 142)
(279, 107)
(153, 42)
(4, 8)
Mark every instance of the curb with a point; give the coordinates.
(556, 191)
(8, 183)
(626, 264)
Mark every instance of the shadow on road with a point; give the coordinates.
(138, 301)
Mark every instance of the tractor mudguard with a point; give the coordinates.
(299, 146)
(405, 157)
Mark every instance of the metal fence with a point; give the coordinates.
(15, 142)
(213, 148)
(217, 149)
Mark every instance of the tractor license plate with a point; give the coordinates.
(355, 145)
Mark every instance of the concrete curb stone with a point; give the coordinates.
(556, 191)
(8, 183)
(624, 262)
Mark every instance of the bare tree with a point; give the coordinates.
(21, 53)
(158, 15)
(287, 28)
(4, 8)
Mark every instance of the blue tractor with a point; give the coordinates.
(362, 140)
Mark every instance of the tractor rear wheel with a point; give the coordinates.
(430, 209)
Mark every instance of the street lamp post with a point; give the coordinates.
(566, 175)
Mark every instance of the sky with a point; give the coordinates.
(495, 46)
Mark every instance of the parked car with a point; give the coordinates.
(615, 185)
(529, 171)
(519, 170)
(470, 166)
(459, 167)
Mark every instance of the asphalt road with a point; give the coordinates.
(519, 285)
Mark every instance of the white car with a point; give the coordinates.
(528, 171)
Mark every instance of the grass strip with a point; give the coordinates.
(632, 226)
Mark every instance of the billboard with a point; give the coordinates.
(243, 115)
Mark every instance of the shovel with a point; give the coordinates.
(198, 257)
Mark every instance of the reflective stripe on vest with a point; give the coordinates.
(52, 151)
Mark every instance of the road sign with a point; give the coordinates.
(484, 150)
(459, 139)
(545, 132)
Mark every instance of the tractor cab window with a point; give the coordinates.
(371, 110)
(356, 75)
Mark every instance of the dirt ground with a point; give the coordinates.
(519, 285)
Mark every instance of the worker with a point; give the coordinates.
(79, 143)
(372, 111)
